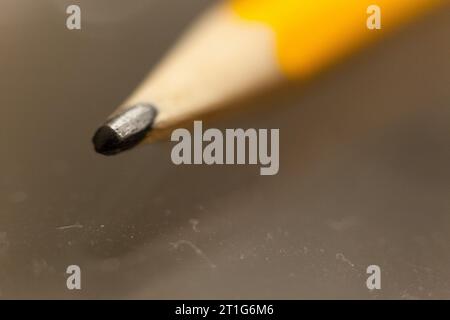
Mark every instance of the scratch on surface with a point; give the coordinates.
(72, 226)
(340, 256)
(194, 223)
(196, 249)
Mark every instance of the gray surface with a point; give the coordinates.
(364, 172)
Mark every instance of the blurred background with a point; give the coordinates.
(364, 169)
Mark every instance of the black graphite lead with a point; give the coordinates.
(124, 130)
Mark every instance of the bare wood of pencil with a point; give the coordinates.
(224, 57)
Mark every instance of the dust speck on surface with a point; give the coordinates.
(197, 250)
(40, 266)
(194, 223)
(18, 197)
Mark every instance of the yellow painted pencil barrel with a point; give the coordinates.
(309, 34)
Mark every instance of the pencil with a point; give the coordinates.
(239, 47)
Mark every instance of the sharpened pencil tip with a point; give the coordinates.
(124, 130)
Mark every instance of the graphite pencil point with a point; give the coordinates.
(124, 130)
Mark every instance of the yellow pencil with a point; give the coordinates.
(242, 46)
